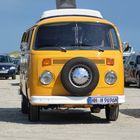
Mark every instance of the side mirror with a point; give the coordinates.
(126, 47)
(131, 63)
(24, 46)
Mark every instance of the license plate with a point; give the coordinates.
(102, 100)
(3, 72)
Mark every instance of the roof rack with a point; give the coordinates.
(71, 12)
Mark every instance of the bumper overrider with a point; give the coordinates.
(101, 100)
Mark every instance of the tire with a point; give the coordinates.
(18, 70)
(14, 77)
(138, 81)
(34, 113)
(112, 112)
(6, 78)
(24, 105)
(67, 76)
(126, 84)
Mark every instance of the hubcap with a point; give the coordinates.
(80, 76)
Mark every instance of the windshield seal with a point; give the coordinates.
(70, 40)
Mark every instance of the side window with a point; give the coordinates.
(24, 40)
(27, 37)
(30, 37)
(115, 40)
(24, 37)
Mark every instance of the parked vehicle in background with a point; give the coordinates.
(127, 51)
(132, 70)
(7, 68)
(16, 61)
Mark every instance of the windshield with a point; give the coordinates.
(16, 61)
(76, 35)
(4, 59)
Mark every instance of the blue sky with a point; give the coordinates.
(17, 15)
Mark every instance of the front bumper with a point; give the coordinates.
(7, 73)
(45, 100)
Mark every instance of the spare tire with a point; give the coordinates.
(80, 76)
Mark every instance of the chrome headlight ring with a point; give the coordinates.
(46, 78)
(110, 77)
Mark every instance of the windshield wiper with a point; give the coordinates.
(53, 46)
(63, 49)
(101, 49)
(88, 45)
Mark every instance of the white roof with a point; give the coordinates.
(71, 12)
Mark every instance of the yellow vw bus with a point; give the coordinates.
(72, 58)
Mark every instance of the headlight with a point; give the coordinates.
(110, 78)
(46, 78)
(12, 68)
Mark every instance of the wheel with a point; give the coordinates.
(126, 84)
(138, 81)
(95, 110)
(34, 113)
(14, 77)
(18, 70)
(24, 105)
(6, 77)
(112, 112)
(80, 76)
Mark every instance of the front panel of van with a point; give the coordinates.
(53, 58)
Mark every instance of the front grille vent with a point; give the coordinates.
(96, 61)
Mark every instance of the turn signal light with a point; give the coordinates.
(46, 62)
(110, 61)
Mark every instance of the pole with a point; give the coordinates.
(64, 4)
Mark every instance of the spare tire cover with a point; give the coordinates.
(80, 76)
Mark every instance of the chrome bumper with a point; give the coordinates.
(44, 100)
